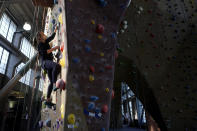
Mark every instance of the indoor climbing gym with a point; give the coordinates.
(98, 65)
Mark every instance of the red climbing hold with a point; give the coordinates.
(105, 109)
(62, 47)
(99, 28)
(92, 69)
(108, 67)
(60, 84)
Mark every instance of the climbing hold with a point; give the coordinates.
(48, 122)
(92, 69)
(60, 9)
(93, 22)
(87, 41)
(125, 22)
(105, 109)
(100, 36)
(76, 60)
(61, 84)
(94, 98)
(40, 124)
(102, 3)
(99, 28)
(60, 19)
(125, 27)
(71, 119)
(55, 1)
(102, 129)
(62, 47)
(101, 54)
(97, 110)
(91, 105)
(53, 21)
(62, 111)
(91, 78)
(87, 48)
(108, 67)
(112, 94)
(141, 8)
(113, 35)
(107, 90)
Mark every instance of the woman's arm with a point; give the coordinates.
(52, 49)
(50, 38)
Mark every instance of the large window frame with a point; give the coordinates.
(7, 27)
(26, 48)
(4, 57)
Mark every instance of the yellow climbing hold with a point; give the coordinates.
(62, 111)
(63, 60)
(91, 78)
(93, 22)
(60, 19)
(100, 36)
(101, 54)
(107, 90)
(71, 119)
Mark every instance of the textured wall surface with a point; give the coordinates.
(91, 60)
(161, 41)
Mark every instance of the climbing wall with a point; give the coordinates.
(159, 36)
(52, 118)
(91, 31)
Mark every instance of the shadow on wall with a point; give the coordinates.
(132, 76)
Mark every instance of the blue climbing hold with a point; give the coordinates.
(113, 35)
(94, 98)
(55, 1)
(97, 110)
(86, 112)
(102, 129)
(76, 60)
(102, 3)
(87, 41)
(60, 9)
(53, 21)
(91, 106)
(187, 87)
(87, 49)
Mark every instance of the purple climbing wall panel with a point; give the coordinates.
(161, 40)
(91, 32)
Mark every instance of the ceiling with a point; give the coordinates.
(24, 11)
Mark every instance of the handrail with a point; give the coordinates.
(11, 83)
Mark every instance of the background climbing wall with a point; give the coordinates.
(159, 36)
(91, 61)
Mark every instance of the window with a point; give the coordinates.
(7, 27)
(26, 78)
(26, 48)
(4, 54)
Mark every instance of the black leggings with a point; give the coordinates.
(53, 69)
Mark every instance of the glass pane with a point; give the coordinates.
(11, 31)
(25, 47)
(5, 22)
(3, 62)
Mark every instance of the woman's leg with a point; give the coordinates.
(56, 68)
(50, 87)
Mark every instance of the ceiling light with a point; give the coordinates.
(27, 26)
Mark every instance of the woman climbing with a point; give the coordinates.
(46, 59)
